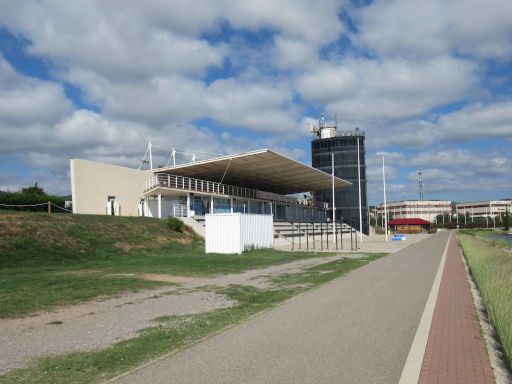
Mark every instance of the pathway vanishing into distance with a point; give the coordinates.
(455, 352)
(356, 329)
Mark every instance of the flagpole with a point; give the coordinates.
(333, 204)
(385, 207)
(359, 182)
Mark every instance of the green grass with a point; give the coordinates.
(26, 290)
(324, 272)
(60, 259)
(174, 332)
(491, 267)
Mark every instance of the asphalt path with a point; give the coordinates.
(356, 329)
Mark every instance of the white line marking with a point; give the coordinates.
(412, 367)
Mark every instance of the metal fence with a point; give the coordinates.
(322, 236)
(237, 232)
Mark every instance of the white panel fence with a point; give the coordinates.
(237, 232)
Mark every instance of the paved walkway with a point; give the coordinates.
(357, 329)
(372, 243)
(456, 352)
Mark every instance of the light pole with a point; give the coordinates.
(385, 208)
(333, 204)
(359, 182)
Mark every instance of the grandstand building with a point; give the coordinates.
(261, 181)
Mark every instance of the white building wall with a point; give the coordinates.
(92, 182)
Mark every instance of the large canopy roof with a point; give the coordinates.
(263, 170)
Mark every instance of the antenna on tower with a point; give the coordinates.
(420, 183)
(321, 121)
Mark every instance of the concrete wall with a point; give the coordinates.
(92, 182)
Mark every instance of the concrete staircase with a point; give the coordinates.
(196, 224)
(283, 230)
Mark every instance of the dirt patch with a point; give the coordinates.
(129, 246)
(167, 278)
(95, 324)
(184, 240)
(82, 272)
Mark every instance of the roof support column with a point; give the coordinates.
(211, 204)
(231, 203)
(188, 204)
(159, 205)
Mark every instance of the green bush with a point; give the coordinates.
(175, 224)
(29, 198)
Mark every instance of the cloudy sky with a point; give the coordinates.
(429, 81)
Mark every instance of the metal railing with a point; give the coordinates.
(353, 132)
(190, 184)
(180, 210)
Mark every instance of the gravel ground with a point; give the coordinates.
(101, 323)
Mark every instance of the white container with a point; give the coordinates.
(236, 232)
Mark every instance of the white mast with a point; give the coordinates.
(144, 161)
(385, 208)
(150, 157)
(359, 181)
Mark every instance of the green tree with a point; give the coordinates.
(33, 190)
(506, 221)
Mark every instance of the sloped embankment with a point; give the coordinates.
(56, 259)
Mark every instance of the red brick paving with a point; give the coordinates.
(456, 351)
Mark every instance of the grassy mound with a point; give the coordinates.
(58, 259)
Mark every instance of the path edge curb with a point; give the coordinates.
(413, 363)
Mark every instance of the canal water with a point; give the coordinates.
(501, 236)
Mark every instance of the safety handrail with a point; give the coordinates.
(197, 185)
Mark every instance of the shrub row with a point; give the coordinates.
(28, 198)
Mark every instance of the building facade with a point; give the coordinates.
(414, 209)
(344, 145)
(487, 208)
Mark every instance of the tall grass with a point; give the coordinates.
(491, 267)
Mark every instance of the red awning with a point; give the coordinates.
(409, 222)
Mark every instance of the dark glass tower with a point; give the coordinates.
(344, 146)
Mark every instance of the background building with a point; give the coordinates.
(488, 208)
(415, 209)
(343, 144)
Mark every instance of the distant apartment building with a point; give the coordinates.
(415, 209)
(487, 208)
